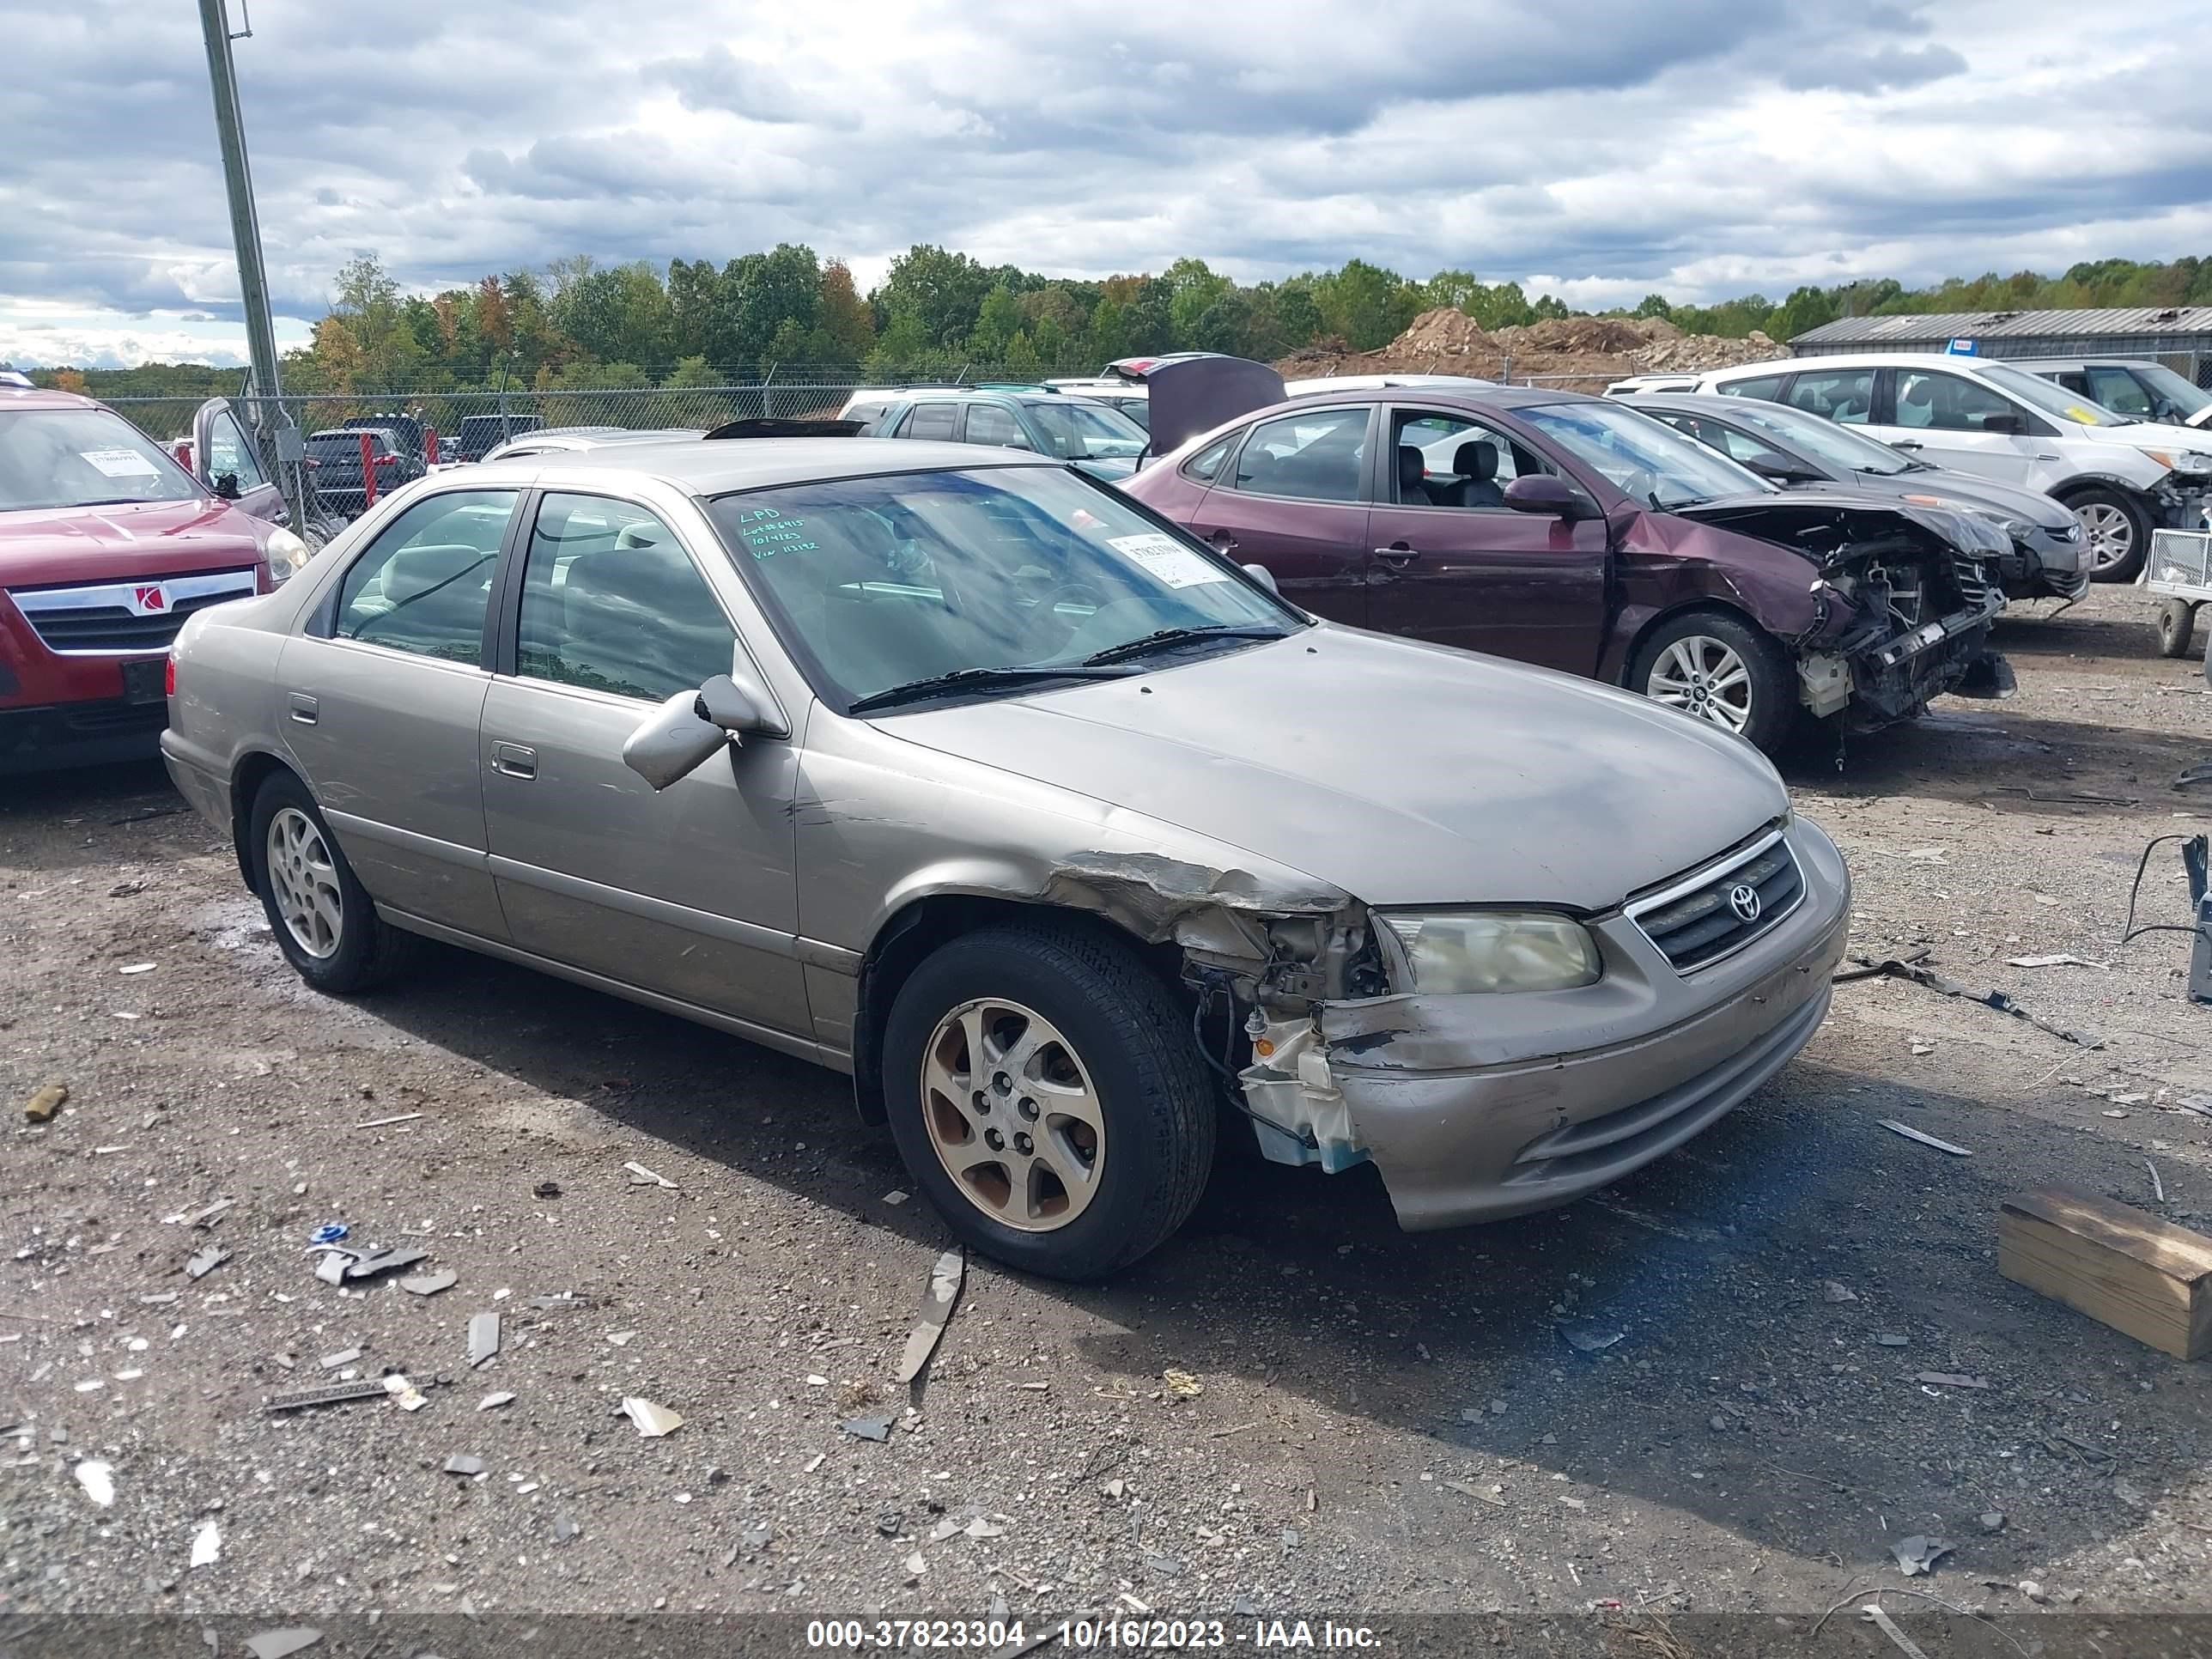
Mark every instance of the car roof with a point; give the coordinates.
(38, 396)
(717, 466)
(1493, 397)
(1853, 359)
(2081, 362)
(349, 432)
(1704, 403)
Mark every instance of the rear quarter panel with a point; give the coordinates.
(225, 706)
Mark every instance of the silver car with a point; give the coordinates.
(1070, 840)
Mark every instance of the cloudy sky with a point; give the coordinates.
(1596, 149)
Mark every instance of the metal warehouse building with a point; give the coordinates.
(2180, 338)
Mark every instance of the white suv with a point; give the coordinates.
(2122, 477)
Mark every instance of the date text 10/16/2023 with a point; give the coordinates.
(1089, 1634)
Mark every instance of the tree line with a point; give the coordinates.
(581, 325)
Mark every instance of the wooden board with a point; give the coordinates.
(2122, 1266)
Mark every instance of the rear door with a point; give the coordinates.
(1456, 565)
(1293, 497)
(382, 696)
(687, 893)
(223, 449)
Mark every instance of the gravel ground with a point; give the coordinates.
(1373, 1422)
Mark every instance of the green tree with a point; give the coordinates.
(693, 371)
(1654, 305)
(997, 321)
(1366, 304)
(943, 291)
(847, 326)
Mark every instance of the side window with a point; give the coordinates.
(930, 421)
(611, 602)
(1838, 394)
(1314, 456)
(423, 585)
(988, 423)
(1448, 461)
(1205, 465)
(229, 451)
(2117, 389)
(1758, 385)
(1947, 403)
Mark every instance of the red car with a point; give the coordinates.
(107, 545)
(1576, 533)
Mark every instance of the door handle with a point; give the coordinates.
(303, 707)
(1908, 443)
(1397, 556)
(514, 760)
(1222, 542)
(2045, 458)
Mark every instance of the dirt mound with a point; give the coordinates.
(1571, 350)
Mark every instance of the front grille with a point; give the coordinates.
(1699, 921)
(114, 619)
(1973, 578)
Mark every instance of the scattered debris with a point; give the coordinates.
(370, 1263)
(642, 1176)
(334, 1394)
(484, 1337)
(1833, 1291)
(207, 1545)
(916, 1565)
(1918, 1554)
(621, 1338)
(410, 1398)
(654, 1421)
(42, 1105)
(429, 1284)
(895, 1198)
(492, 1401)
(137, 968)
(330, 1362)
(1890, 1340)
(463, 1463)
(564, 1528)
(98, 1479)
(944, 1290)
(2057, 959)
(278, 1643)
(1873, 1614)
(2137, 1273)
(1468, 1489)
(546, 1189)
(1925, 1139)
(2157, 1187)
(813, 1463)
(1993, 1521)
(1181, 1385)
(331, 1232)
(206, 1261)
(1951, 1379)
(867, 1428)
(1589, 1339)
(386, 1122)
(1892, 969)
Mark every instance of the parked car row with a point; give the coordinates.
(1074, 841)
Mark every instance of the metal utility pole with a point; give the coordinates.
(252, 281)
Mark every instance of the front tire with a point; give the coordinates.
(1718, 667)
(2114, 532)
(325, 921)
(1045, 1093)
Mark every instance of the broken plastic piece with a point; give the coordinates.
(1919, 1554)
(1912, 1133)
(1590, 1339)
(2056, 959)
(484, 1337)
(383, 1262)
(98, 1479)
(410, 1398)
(429, 1284)
(462, 1463)
(945, 1281)
(330, 1362)
(46, 1103)
(867, 1428)
(1951, 1379)
(337, 1394)
(331, 1232)
(207, 1545)
(642, 1176)
(492, 1401)
(652, 1421)
(277, 1643)
(206, 1261)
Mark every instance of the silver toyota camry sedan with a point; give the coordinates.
(1070, 841)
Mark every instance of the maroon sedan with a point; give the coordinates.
(1575, 533)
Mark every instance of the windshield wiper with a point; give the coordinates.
(961, 678)
(1136, 648)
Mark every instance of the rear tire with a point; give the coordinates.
(1716, 666)
(2115, 534)
(325, 921)
(2176, 623)
(1114, 1039)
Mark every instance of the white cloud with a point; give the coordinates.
(1599, 149)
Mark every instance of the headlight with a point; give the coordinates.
(2194, 462)
(288, 555)
(1496, 950)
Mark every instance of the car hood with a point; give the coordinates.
(1808, 519)
(45, 545)
(1403, 773)
(1942, 488)
(2156, 439)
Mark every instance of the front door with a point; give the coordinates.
(1293, 499)
(687, 893)
(1455, 565)
(223, 449)
(381, 698)
(1943, 418)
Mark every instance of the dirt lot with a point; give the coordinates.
(1387, 1423)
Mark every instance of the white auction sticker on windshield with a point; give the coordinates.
(1167, 559)
(121, 463)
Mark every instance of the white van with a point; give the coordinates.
(2122, 479)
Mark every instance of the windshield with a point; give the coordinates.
(1077, 431)
(328, 447)
(877, 583)
(1645, 459)
(84, 458)
(2050, 397)
(2176, 389)
(1838, 445)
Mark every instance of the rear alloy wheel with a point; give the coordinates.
(1045, 1093)
(1718, 668)
(2113, 533)
(303, 878)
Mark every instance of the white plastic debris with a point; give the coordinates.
(653, 1420)
(642, 1176)
(207, 1545)
(98, 1479)
(492, 1401)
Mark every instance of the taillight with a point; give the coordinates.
(169, 675)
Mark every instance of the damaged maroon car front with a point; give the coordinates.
(1577, 533)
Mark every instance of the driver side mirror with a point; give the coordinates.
(2010, 426)
(1540, 492)
(1265, 577)
(684, 732)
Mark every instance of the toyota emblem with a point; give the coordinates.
(1743, 899)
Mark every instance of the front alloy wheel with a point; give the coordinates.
(2110, 532)
(303, 879)
(1012, 1114)
(1703, 676)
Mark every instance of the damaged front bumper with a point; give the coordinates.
(1479, 1107)
(1875, 675)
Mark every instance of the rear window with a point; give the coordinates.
(930, 421)
(1756, 386)
(84, 458)
(324, 444)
